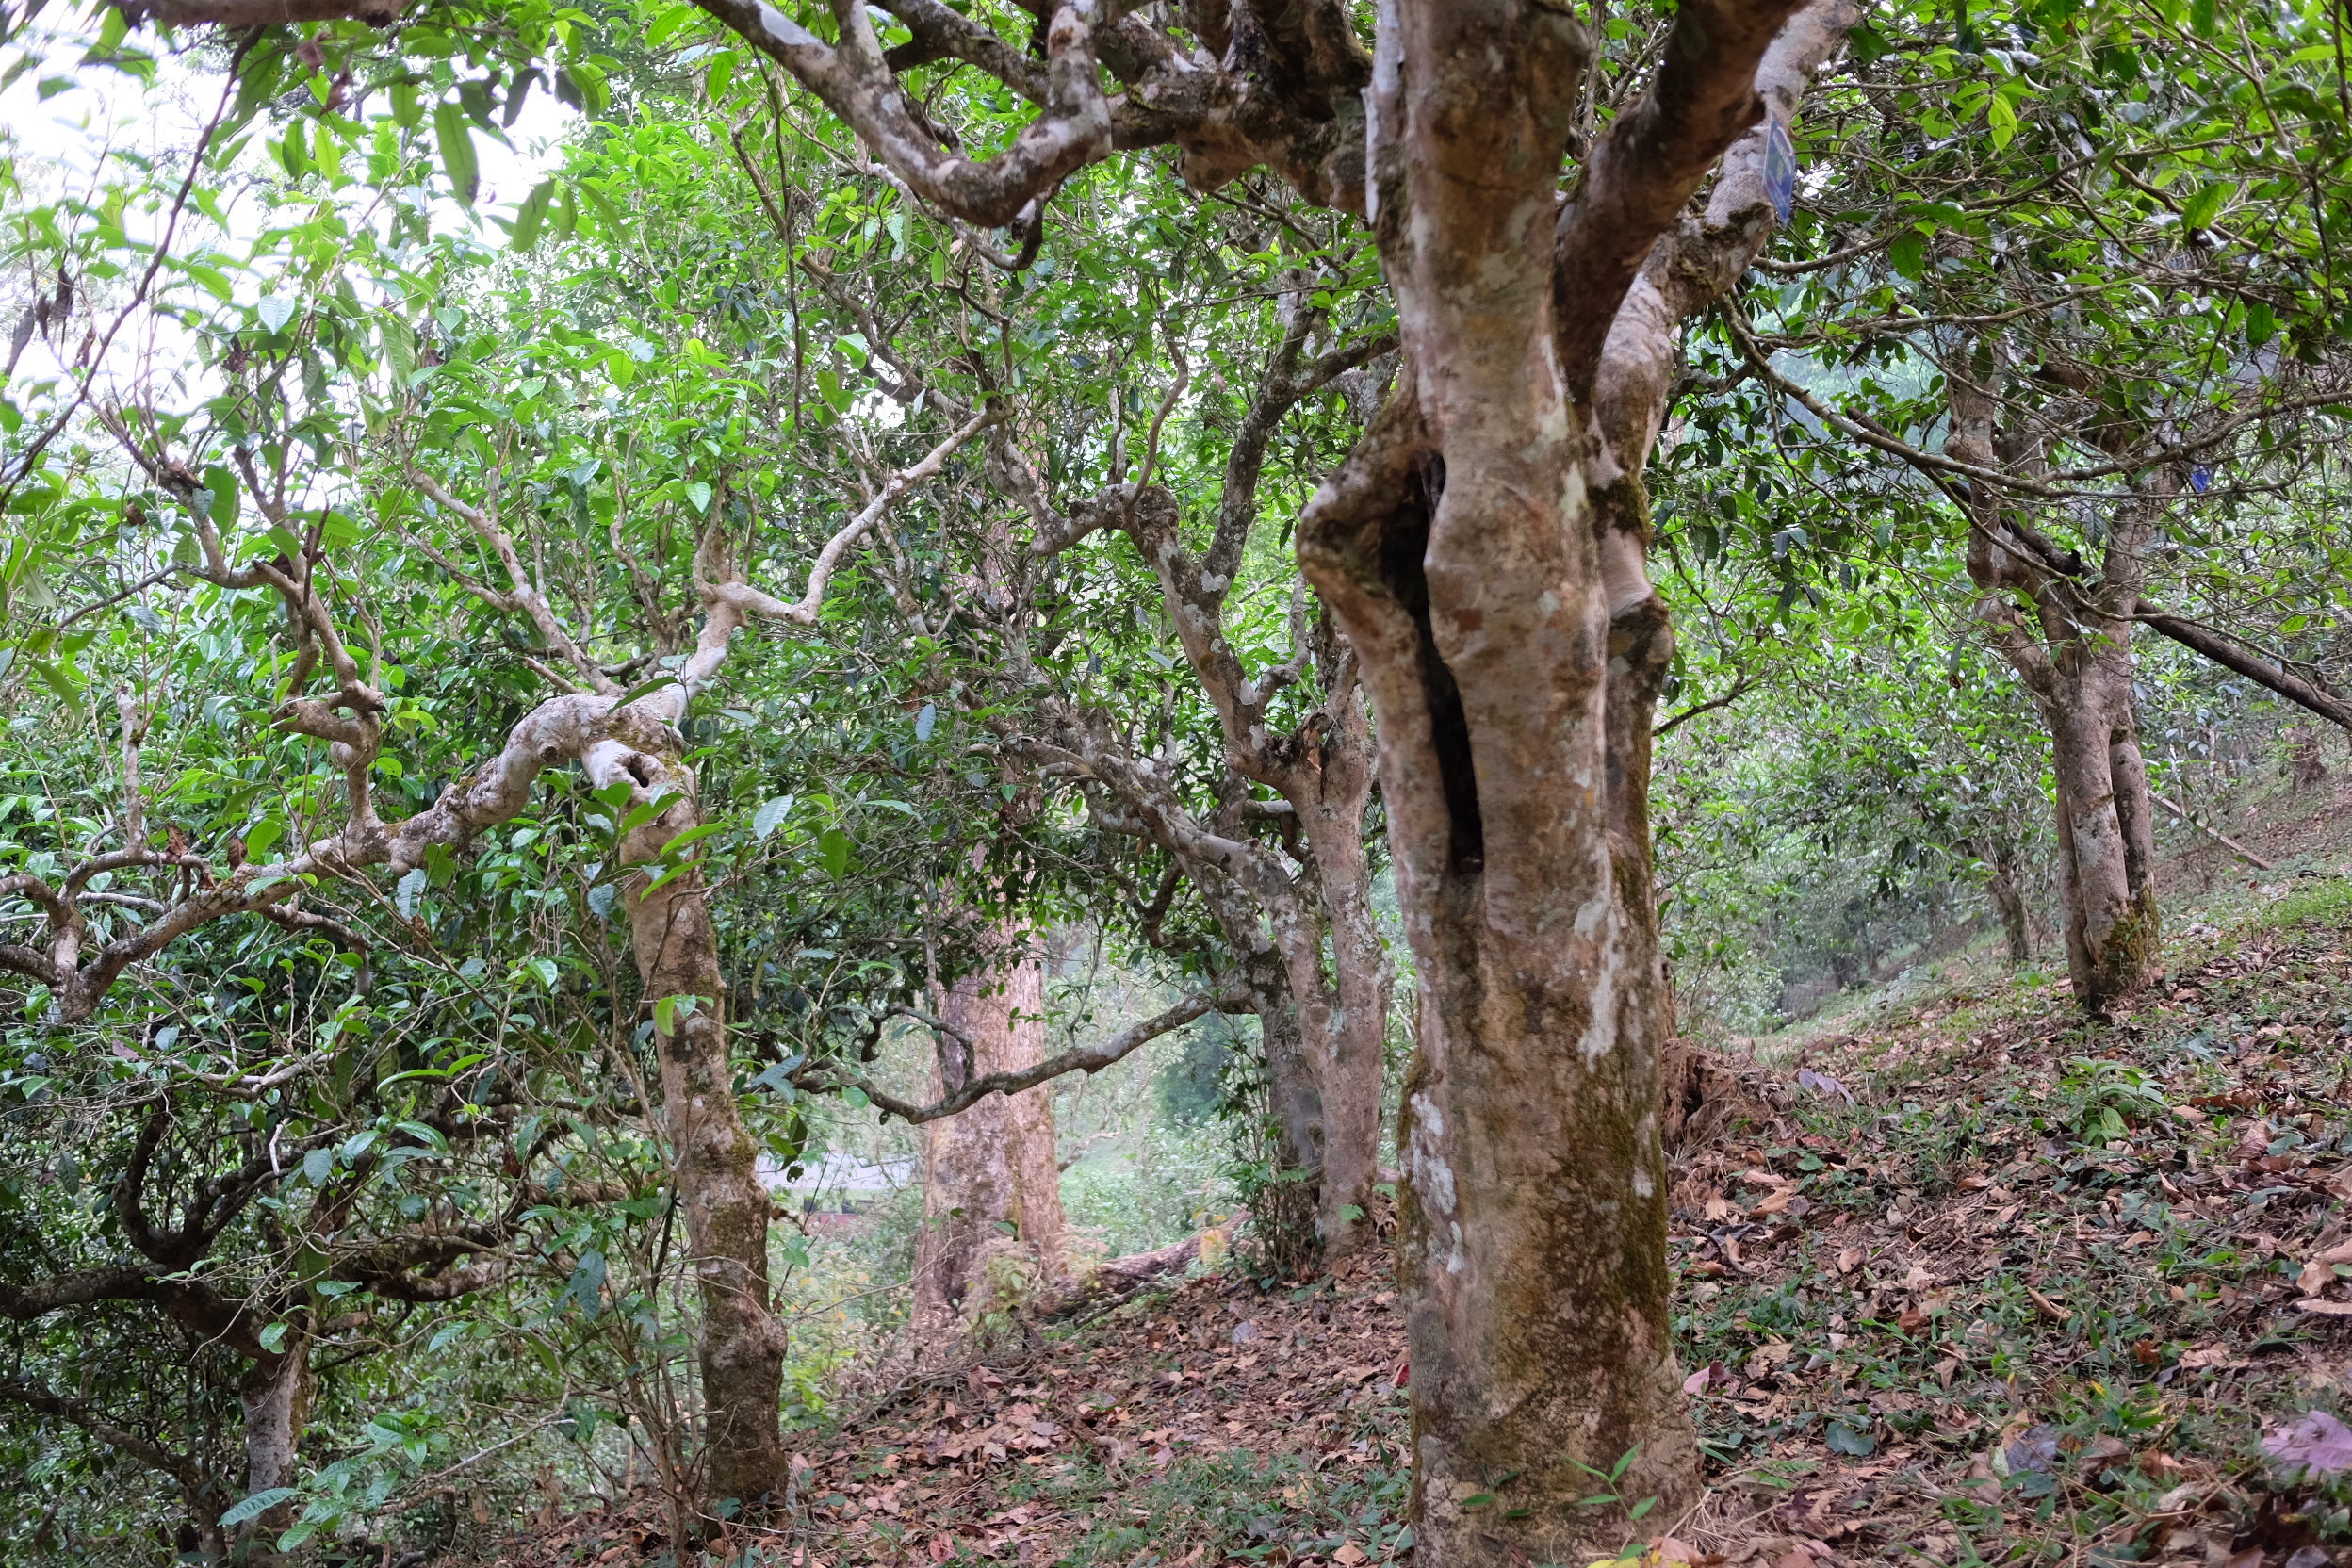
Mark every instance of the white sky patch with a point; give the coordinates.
(68, 126)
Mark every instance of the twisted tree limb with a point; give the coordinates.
(1086, 1058)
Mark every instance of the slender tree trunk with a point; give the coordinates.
(274, 1396)
(2306, 767)
(2009, 901)
(991, 1175)
(725, 1207)
(2106, 849)
(2074, 654)
(1352, 1062)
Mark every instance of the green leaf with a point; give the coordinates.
(532, 216)
(701, 830)
(1843, 1439)
(1909, 254)
(699, 494)
(258, 1504)
(644, 690)
(457, 151)
(273, 1338)
(276, 311)
(2001, 118)
(223, 485)
(771, 814)
(2202, 209)
(318, 1166)
(833, 852)
(666, 26)
(399, 351)
(263, 837)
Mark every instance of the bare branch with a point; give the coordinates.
(2224, 651)
(2213, 833)
(155, 1456)
(521, 592)
(1088, 1058)
(238, 15)
(745, 600)
(1650, 161)
(854, 80)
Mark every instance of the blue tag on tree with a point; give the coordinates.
(1780, 168)
(2200, 477)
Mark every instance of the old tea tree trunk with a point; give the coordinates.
(1496, 598)
(992, 1173)
(2074, 653)
(1503, 622)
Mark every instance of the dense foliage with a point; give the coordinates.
(308, 305)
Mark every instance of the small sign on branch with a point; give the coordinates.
(1780, 168)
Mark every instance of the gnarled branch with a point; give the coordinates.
(1086, 1058)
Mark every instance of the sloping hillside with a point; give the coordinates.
(1984, 1284)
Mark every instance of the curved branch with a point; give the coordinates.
(155, 1456)
(1086, 1058)
(852, 78)
(743, 599)
(1650, 161)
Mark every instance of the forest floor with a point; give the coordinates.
(1976, 1281)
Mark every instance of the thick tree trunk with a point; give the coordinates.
(991, 1186)
(1463, 548)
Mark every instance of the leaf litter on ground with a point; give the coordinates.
(1988, 1283)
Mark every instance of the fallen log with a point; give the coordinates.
(1118, 1280)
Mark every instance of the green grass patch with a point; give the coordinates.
(2318, 903)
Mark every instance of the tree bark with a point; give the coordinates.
(274, 1398)
(1353, 1059)
(2000, 883)
(992, 1173)
(1483, 548)
(1486, 593)
(742, 1345)
(2306, 767)
(2075, 656)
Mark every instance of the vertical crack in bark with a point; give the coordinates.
(1403, 544)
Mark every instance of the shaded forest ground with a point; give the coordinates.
(1973, 1279)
